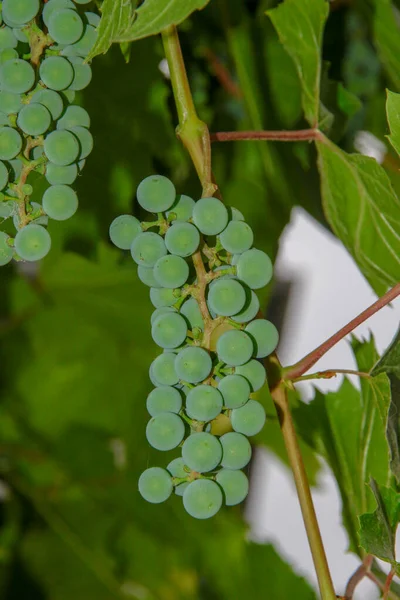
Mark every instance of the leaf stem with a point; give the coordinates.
(358, 576)
(388, 583)
(301, 367)
(329, 374)
(300, 135)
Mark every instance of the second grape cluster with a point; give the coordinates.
(198, 260)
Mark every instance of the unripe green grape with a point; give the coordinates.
(190, 309)
(171, 271)
(237, 237)
(193, 364)
(56, 73)
(8, 54)
(177, 469)
(10, 103)
(226, 297)
(235, 214)
(83, 46)
(182, 208)
(60, 202)
(156, 193)
(203, 403)
(65, 26)
(155, 485)
(37, 209)
(164, 399)
(34, 119)
(20, 11)
(51, 100)
(254, 267)
(254, 372)
(202, 452)
(4, 120)
(17, 76)
(248, 419)
(82, 74)
(16, 170)
(210, 216)
(32, 242)
(265, 337)
(182, 239)
(53, 5)
(7, 209)
(74, 116)
(61, 147)
(235, 347)
(6, 251)
(165, 431)
(163, 310)
(3, 176)
(236, 450)
(249, 311)
(169, 330)
(162, 297)
(146, 276)
(22, 35)
(10, 143)
(27, 189)
(202, 498)
(163, 369)
(235, 390)
(7, 39)
(85, 140)
(92, 18)
(123, 230)
(235, 486)
(147, 247)
(55, 174)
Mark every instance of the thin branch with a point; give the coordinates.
(388, 583)
(222, 74)
(301, 367)
(381, 586)
(358, 576)
(300, 135)
(329, 374)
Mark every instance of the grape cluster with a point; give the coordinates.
(43, 134)
(198, 260)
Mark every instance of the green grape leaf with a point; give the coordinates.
(116, 17)
(393, 117)
(378, 529)
(387, 38)
(300, 26)
(363, 211)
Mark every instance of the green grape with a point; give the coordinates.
(34, 119)
(55, 174)
(254, 372)
(123, 230)
(169, 330)
(249, 311)
(85, 139)
(237, 237)
(202, 452)
(165, 431)
(254, 267)
(7, 209)
(155, 485)
(8, 54)
(202, 499)
(235, 486)
(82, 2)
(83, 46)
(32, 242)
(60, 202)
(182, 208)
(74, 116)
(235, 214)
(163, 310)
(17, 76)
(16, 166)
(164, 399)
(65, 26)
(163, 369)
(7, 39)
(193, 364)
(3, 176)
(92, 18)
(10, 103)
(146, 276)
(226, 297)
(51, 100)
(27, 189)
(36, 208)
(147, 247)
(190, 309)
(235, 347)
(203, 403)
(56, 73)
(61, 147)
(20, 11)
(248, 419)
(210, 216)
(182, 239)
(22, 35)
(235, 390)
(82, 74)
(10, 143)
(162, 297)
(236, 450)
(156, 193)
(265, 337)
(6, 252)
(171, 271)
(177, 469)
(53, 5)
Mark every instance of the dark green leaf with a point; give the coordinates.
(393, 117)
(387, 39)
(117, 17)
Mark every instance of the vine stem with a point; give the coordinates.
(301, 367)
(358, 576)
(329, 374)
(388, 583)
(300, 135)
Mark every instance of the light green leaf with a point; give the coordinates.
(387, 38)
(378, 529)
(300, 26)
(116, 17)
(393, 117)
(363, 211)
